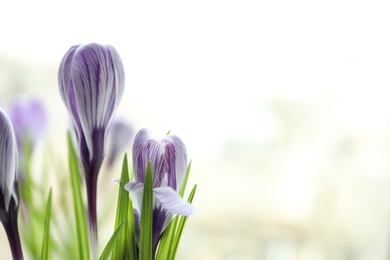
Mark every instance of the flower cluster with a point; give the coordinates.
(91, 81)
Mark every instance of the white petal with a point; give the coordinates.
(170, 200)
(136, 192)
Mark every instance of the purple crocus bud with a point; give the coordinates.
(91, 82)
(9, 196)
(169, 162)
(120, 135)
(29, 119)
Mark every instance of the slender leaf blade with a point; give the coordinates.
(147, 216)
(164, 249)
(46, 233)
(180, 228)
(79, 210)
(118, 251)
(166, 240)
(183, 186)
(110, 245)
(130, 238)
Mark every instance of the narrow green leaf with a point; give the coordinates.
(110, 245)
(46, 233)
(26, 188)
(79, 209)
(118, 251)
(145, 250)
(130, 238)
(183, 186)
(180, 227)
(164, 247)
(166, 240)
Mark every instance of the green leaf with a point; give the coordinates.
(126, 245)
(118, 251)
(180, 227)
(46, 234)
(166, 240)
(110, 245)
(145, 250)
(164, 249)
(130, 238)
(26, 187)
(79, 209)
(183, 186)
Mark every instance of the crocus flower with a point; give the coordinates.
(169, 162)
(120, 135)
(29, 119)
(91, 82)
(9, 197)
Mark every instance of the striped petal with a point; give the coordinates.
(171, 201)
(145, 149)
(66, 85)
(8, 158)
(179, 163)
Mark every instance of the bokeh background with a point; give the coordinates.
(283, 105)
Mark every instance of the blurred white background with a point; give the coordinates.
(283, 106)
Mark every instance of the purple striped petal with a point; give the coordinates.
(66, 86)
(176, 149)
(145, 149)
(8, 158)
(171, 201)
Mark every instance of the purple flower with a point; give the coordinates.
(120, 135)
(91, 81)
(169, 162)
(9, 196)
(29, 119)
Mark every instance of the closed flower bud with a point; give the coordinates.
(91, 81)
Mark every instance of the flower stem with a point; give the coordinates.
(11, 229)
(91, 185)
